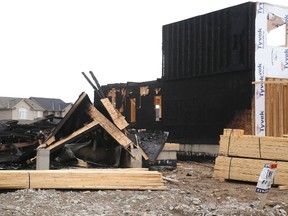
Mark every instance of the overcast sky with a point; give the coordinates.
(45, 45)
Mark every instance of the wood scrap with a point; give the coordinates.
(283, 187)
(175, 181)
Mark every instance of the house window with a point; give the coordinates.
(277, 30)
(23, 113)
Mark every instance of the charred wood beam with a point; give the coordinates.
(97, 84)
(93, 86)
(74, 135)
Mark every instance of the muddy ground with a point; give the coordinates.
(195, 193)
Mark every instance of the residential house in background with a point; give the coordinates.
(20, 109)
(13, 108)
(53, 106)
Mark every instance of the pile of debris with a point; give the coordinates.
(18, 139)
(90, 135)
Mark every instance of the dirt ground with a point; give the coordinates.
(196, 192)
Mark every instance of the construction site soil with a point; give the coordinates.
(194, 191)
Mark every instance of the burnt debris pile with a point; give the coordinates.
(90, 135)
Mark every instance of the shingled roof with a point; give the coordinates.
(10, 102)
(51, 104)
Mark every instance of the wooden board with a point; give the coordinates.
(117, 117)
(233, 132)
(245, 169)
(272, 148)
(241, 146)
(171, 147)
(109, 127)
(276, 106)
(73, 135)
(132, 179)
(14, 179)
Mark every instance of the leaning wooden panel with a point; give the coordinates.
(14, 179)
(116, 116)
(110, 128)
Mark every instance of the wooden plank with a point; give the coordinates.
(274, 148)
(281, 111)
(116, 116)
(276, 107)
(221, 168)
(233, 132)
(171, 147)
(283, 187)
(258, 147)
(246, 169)
(275, 111)
(139, 179)
(253, 114)
(16, 179)
(114, 132)
(285, 110)
(73, 135)
(241, 146)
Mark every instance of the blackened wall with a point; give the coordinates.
(208, 69)
(145, 107)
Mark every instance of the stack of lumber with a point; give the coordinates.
(99, 179)
(242, 157)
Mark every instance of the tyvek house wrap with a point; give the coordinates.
(271, 54)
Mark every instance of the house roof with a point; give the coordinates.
(51, 104)
(10, 102)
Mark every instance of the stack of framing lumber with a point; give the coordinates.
(100, 179)
(242, 157)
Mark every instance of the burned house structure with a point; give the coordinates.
(207, 73)
(140, 103)
(206, 77)
(219, 70)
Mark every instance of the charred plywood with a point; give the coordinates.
(19, 139)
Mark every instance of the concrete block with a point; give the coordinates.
(43, 159)
(138, 162)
